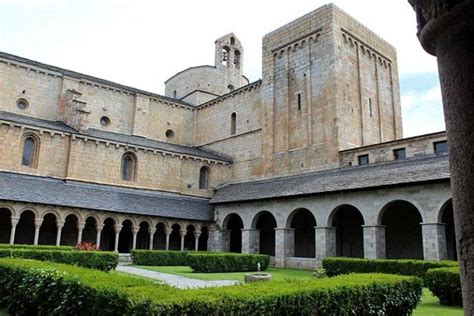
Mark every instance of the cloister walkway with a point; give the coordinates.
(174, 280)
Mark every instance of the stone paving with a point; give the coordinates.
(174, 280)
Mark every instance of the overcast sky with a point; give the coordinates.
(142, 43)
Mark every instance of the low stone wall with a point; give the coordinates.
(302, 263)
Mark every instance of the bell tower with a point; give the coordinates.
(229, 54)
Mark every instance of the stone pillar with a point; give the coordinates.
(374, 241)
(325, 242)
(80, 228)
(14, 221)
(434, 241)
(38, 222)
(197, 234)
(446, 30)
(168, 232)
(250, 240)
(217, 240)
(152, 232)
(59, 226)
(284, 245)
(99, 228)
(117, 229)
(182, 234)
(134, 239)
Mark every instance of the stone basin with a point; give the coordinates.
(257, 277)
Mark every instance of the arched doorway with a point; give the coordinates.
(189, 240)
(202, 243)
(349, 232)
(48, 230)
(234, 224)
(5, 225)
(265, 222)
(159, 239)
(143, 236)
(125, 237)
(303, 223)
(89, 233)
(447, 218)
(107, 236)
(70, 231)
(403, 236)
(25, 229)
(175, 239)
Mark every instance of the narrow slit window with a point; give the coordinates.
(204, 178)
(233, 123)
(370, 107)
(299, 101)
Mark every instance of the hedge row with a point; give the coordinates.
(99, 260)
(37, 247)
(159, 257)
(341, 265)
(226, 262)
(445, 283)
(31, 287)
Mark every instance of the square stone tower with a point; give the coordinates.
(329, 84)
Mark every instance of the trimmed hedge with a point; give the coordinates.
(226, 262)
(102, 260)
(36, 247)
(445, 283)
(31, 287)
(340, 265)
(159, 257)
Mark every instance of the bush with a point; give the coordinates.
(37, 247)
(159, 257)
(226, 262)
(104, 261)
(31, 287)
(341, 265)
(445, 283)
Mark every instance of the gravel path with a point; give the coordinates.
(174, 280)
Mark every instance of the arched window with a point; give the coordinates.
(232, 41)
(129, 167)
(237, 59)
(204, 178)
(233, 123)
(30, 151)
(225, 55)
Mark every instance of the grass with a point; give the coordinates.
(430, 307)
(278, 274)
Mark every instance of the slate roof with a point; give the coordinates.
(409, 171)
(116, 137)
(43, 190)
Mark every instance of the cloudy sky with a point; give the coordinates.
(142, 43)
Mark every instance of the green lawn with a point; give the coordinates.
(278, 274)
(430, 307)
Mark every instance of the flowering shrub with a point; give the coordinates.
(87, 246)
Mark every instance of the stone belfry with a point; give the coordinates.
(229, 53)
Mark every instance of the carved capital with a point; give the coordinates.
(182, 233)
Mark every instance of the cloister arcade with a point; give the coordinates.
(40, 225)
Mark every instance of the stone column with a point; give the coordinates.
(284, 245)
(134, 239)
(250, 240)
(59, 226)
(168, 232)
(325, 242)
(197, 234)
(14, 221)
(446, 30)
(152, 232)
(99, 228)
(80, 228)
(374, 241)
(117, 229)
(434, 241)
(38, 222)
(217, 240)
(182, 234)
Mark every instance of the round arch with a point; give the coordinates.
(89, 233)
(189, 240)
(126, 236)
(234, 224)
(303, 222)
(159, 239)
(266, 223)
(48, 230)
(446, 216)
(70, 229)
(107, 239)
(175, 238)
(143, 235)
(203, 238)
(5, 224)
(25, 229)
(348, 221)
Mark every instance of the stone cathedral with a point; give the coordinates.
(310, 161)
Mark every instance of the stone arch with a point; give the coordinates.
(71, 212)
(107, 239)
(403, 234)
(204, 175)
(89, 233)
(70, 230)
(203, 238)
(189, 240)
(30, 209)
(126, 236)
(234, 224)
(266, 223)
(175, 238)
(30, 148)
(446, 216)
(49, 229)
(143, 235)
(25, 229)
(129, 166)
(348, 221)
(303, 222)
(159, 239)
(5, 224)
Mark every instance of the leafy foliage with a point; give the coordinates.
(226, 262)
(159, 257)
(37, 247)
(445, 283)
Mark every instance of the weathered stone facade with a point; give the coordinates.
(329, 94)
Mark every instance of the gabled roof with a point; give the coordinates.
(50, 191)
(393, 173)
